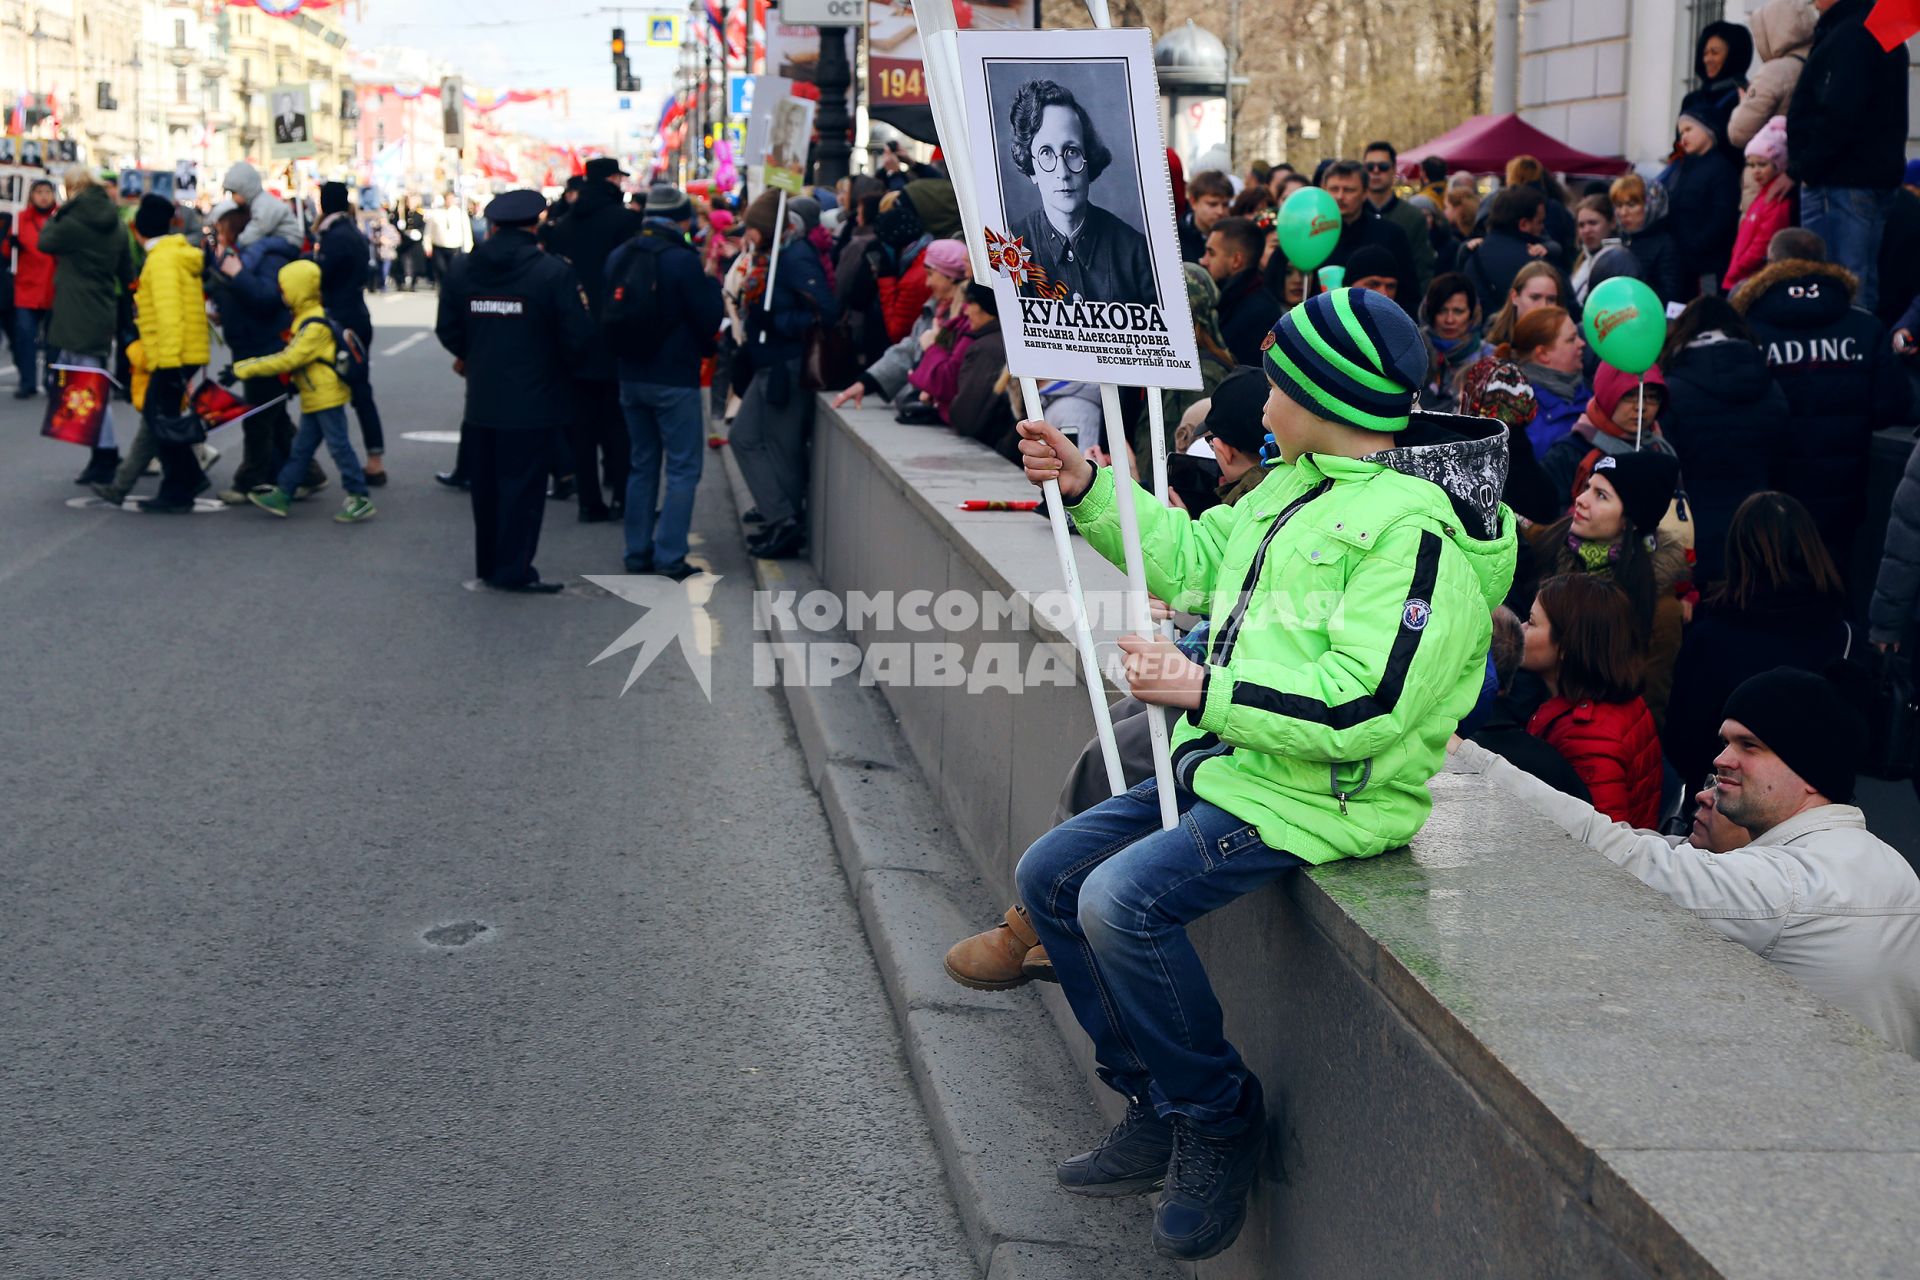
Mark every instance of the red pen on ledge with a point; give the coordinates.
(999, 504)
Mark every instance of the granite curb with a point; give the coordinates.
(1003, 1097)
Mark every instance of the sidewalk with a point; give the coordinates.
(1004, 1099)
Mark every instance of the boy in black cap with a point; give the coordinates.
(1234, 429)
(512, 317)
(1814, 892)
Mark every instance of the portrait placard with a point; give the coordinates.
(1070, 174)
(292, 134)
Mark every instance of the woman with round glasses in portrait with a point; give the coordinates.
(1097, 256)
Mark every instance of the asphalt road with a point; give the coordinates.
(248, 769)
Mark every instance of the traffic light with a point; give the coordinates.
(623, 80)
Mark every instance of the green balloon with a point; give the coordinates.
(1309, 227)
(1625, 324)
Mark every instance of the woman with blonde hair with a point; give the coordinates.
(1536, 285)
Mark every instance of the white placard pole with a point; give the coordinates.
(773, 254)
(942, 70)
(1141, 622)
(1082, 631)
(1139, 615)
(1157, 445)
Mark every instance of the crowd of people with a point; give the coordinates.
(1623, 596)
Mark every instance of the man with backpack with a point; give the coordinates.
(343, 256)
(659, 319)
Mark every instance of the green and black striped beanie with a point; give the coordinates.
(1350, 356)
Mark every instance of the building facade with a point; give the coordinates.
(1607, 76)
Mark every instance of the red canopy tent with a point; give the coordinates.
(1484, 144)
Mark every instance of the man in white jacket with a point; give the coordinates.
(449, 237)
(1814, 891)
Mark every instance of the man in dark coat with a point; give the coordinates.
(1346, 182)
(659, 361)
(1247, 309)
(599, 223)
(513, 317)
(1836, 365)
(1847, 138)
(1514, 227)
(343, 256)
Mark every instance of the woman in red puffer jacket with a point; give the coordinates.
(32, 286)
(1580, 642)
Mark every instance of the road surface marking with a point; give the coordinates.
(404, 344)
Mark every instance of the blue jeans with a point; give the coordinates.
(331, 425)
(1850, 220)
(27, 324)
(1111, 895)
(661, 420)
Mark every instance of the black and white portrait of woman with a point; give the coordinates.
(1083, 221)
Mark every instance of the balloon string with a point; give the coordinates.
(1640, 414)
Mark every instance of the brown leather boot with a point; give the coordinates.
(996, 960)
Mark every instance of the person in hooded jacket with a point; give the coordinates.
(599, 223)
(267, 214)
(513, 317)
(95, 268)
(1640, 211)
(1703, 201)
(1837, 367)
(1782, 38)
(1721, 57)
(1782, 605)
(244, 286)
(1727, 420)
(32, 287)
(343, 255)
(307, 362)
(1394, 510)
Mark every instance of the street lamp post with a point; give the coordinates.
(833, 123)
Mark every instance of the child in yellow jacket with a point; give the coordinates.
(171, 313)
(308, 360)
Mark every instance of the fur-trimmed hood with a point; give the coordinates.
(1790, 293)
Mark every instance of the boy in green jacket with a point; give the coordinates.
(1350, 598)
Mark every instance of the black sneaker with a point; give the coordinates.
(1131, 1161)
(1208, 1179)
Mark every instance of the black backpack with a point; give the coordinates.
(349, 353)
(634, 319)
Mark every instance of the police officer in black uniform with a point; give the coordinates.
(511, 316)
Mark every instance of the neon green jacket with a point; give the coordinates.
(1351, 604)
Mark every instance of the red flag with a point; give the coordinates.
(77, 407)
(214, 405)
(1894, 22)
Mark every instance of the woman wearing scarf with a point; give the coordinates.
(943, 342)
(1450, 322)
(1497, 389)
(1216, 362)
